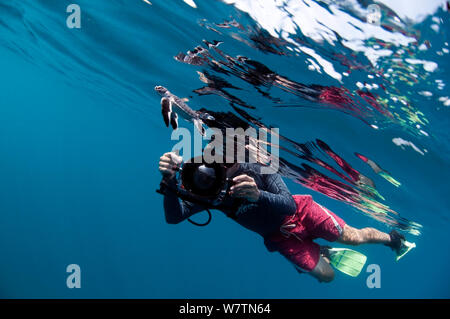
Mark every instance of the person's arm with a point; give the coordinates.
(177, 210)
(271, 195)
(276, 196)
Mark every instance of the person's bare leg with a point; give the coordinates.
(323, 271)
(354, 236)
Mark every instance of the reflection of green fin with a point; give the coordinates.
(348, 261)
(406, 247)
(390, 179)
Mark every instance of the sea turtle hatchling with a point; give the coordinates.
(172, 106)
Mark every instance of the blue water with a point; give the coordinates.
(81, 133)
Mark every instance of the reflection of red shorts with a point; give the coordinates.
(295, 239)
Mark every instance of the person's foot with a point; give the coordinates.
(399, 244)
(396, 241)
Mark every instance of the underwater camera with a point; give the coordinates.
(199, 182)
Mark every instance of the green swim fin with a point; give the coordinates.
(348, 261)
(404, 249)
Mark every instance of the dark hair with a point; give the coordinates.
(222, 121)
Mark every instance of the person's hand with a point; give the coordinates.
(169, 164)
(245, 187)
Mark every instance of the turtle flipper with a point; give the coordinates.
(199, 125)
(166, 110)
(174, 120)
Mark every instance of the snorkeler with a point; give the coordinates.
(262, 203)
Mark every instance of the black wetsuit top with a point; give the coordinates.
(264, 216)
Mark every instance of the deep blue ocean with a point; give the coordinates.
(360, 98)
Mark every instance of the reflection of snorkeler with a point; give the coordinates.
(289, 224)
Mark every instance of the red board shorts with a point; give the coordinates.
(295, 238)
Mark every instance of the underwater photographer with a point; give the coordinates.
(262, 203)
(259, 202)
